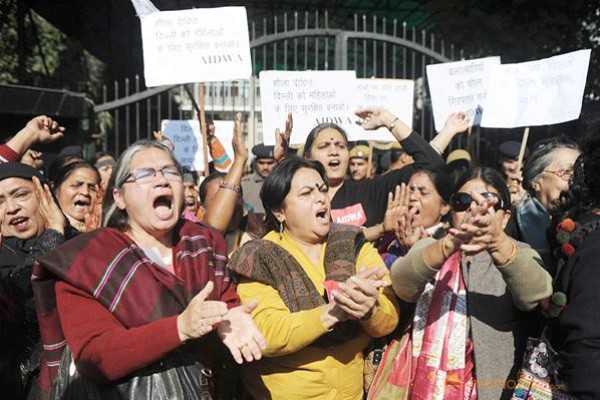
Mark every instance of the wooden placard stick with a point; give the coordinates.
(202, 119)
(523, 147)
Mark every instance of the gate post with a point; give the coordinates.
(341, 51)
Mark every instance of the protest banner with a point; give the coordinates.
(541, 92)
(460, 86)
(313, 97)
(395, 95)
(187, 138)
(196, 45)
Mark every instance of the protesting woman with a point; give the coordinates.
(315, 343)
(472, 289)
(32, 226)
(419, 210)
(77, 188)
(131, 300)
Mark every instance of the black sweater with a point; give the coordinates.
(577, 331)
(369, 196)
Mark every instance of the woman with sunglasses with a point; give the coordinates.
(140, 302)
(472, 289)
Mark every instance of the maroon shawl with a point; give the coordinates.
(107, 264)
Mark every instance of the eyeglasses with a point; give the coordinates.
(564, 174)
(147, 174)
(461, 201)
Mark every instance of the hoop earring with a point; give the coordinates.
(280, 230)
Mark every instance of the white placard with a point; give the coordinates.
(312, 97)
(395, 95)
(197, 45)
(460, 86)
(541, 92)
(186, 136)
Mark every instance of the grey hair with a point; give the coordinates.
(113, 216)
(541, 158)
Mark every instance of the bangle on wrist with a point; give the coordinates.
(446, 256)
(392, 125)
(513, 255)
(230, 186)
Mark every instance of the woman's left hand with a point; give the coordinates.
(481, 229)
(239, 147)
(51, 213)
(359, 294)
(282, 139)
(239, 333)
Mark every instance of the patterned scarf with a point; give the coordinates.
(107, 264)
(268, 263)
(442, 353)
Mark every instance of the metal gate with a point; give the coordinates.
(373, 47)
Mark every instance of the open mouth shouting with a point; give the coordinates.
(82, 205)
(19, 223)
(334, 164)
(322, 216)
(163, 206)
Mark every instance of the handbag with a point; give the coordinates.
(177, 376)
(392, 378)
(539, 378)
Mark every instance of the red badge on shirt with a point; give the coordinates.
(353, 215)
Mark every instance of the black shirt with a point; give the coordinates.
(363, 203)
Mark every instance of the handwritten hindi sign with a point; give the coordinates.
(395, 95)
(187, 138)
(460, 86)
(197, 45)
(540, 92)
(312, 97)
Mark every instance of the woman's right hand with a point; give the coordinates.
(201, 315)
(406, 234)
(50, 211)
(480, 228)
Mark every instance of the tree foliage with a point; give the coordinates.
(521, 30)
(51, 59)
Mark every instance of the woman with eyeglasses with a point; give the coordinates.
(473, 289)
(139, 303)
(547, 173)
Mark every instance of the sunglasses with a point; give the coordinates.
(461, 201)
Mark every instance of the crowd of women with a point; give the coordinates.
(122, 278)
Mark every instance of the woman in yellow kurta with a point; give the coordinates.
(315, 336)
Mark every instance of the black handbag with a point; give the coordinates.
(177, 376)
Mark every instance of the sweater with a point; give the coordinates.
(294, 369)
(498, 301)
(363, 203)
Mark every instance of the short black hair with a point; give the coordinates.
(277, 185)
(312, 135)
(490, 177)
(441, 181)
(63, 174)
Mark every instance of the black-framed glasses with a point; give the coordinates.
(461, 201)
(147, 174)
